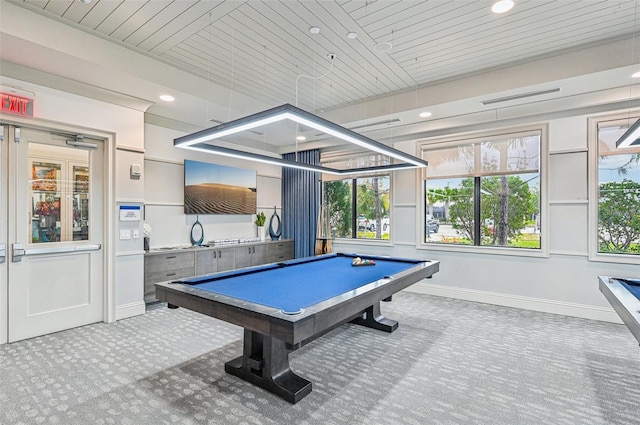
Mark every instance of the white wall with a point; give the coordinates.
(164, 186)
(565, 282)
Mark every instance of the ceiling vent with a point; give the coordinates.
(519, 96)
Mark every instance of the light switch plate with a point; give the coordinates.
(125, 234)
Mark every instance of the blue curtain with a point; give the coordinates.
(300, 202)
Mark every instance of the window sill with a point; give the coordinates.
(495, 250)
(615, 258)
(385, 242)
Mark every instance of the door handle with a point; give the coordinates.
(3, 253)
(18, 252)
(62, 249)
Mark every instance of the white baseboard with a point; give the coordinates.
(603, 314)
(129, 310)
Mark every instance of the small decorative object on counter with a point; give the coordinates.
(197, 233)
(274, 232)
(260, 220)
(146, 233)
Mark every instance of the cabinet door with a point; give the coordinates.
(206, 261)
(259, 255)
(244, 256)
(226, 259)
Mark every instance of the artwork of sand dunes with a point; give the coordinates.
(214, 198)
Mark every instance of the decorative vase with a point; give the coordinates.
(274, 232)
(197, 233)
(146, 244)
(261, 232)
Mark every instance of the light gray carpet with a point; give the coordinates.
(449, 362)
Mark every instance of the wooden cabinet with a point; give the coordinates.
(252, 255)
(166, 266)
(280, 251)
(163, 265)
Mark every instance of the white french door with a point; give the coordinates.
(54, 257)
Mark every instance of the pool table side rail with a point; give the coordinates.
(250, 316)
(293, 329)
(342, 308)
(265, 267)
(626, 305)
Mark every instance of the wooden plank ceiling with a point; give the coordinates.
(261, 47)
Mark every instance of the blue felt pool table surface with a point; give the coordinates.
(295, 285)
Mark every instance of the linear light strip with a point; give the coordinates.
(233, 153)
(290, 112)
(221, 131)
(631, 137)
(356, 140)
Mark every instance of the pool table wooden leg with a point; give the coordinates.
(373, 318)
(265, 363)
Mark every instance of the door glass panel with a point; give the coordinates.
(80, 203)
(58, 193)
(45, 193)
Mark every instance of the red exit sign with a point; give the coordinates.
(15, 104)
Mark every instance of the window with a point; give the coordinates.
(618, 190)
(484, 191)
(359, 207)
(59, 194)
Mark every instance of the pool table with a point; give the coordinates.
(282, 306)
(624, 296)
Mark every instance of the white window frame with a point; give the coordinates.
(455, 140)
(627, 116)
(366, 241)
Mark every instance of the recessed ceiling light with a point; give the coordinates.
(425, 114)
(314, 30)
(352, 35)
(502, 6)
(384, 46)
(167, 98)
(301, 138)
(635, 75)
(85, 1)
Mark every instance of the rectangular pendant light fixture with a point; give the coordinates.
(631, 137)
(198, 141)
